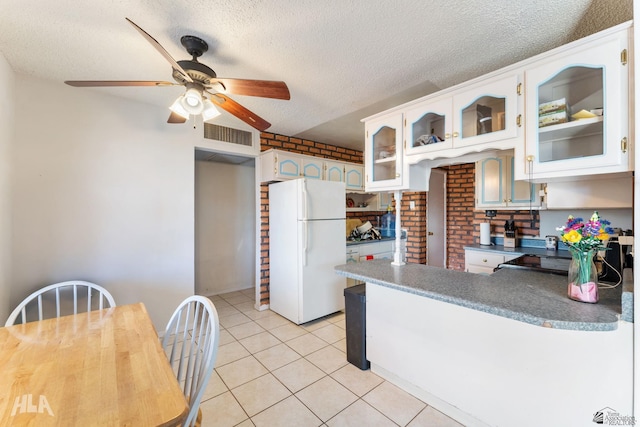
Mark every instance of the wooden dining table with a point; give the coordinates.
(99, 368)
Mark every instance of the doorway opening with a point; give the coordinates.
(225, 224)
(437, 219)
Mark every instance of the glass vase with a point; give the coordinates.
(583, 277)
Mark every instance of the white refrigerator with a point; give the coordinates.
(306, 241)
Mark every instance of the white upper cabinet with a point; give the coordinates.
(496, 187)
(354, 176)
(333, 171)
(578, 111)
(279, 165)
(482, 116)
(350, 173)
(383, 153)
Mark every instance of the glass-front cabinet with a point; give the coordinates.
(429, 126)
(383, 153)
(485, 114)
(577, 104)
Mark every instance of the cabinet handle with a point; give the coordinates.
(519, 120)
(623, 57)
(509, 201)
(447, 135)
(623, 144)
(455, 134)
(519, 89)
(484, 260)
(397, 175)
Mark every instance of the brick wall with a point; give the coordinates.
(311, 148)
(415, 221)
(463, 221)
(460, 215)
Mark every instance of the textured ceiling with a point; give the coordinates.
(342, 60)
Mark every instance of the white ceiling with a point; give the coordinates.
(342, 60)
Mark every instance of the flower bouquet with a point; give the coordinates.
(584, 239)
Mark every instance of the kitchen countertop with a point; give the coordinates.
(528, 296)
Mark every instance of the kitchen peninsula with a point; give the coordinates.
(505, 349)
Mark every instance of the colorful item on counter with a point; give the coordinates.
(584, 239)
(584, 236)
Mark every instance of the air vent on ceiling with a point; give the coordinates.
(222, 133)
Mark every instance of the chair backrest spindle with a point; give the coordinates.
(41, 299)
(196, 322)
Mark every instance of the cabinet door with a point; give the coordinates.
(496, 186)
(288, 165)
(334, 171)
(383, 153)
(491, 183)
(312, 167)
(488, 113)
(523, 194)
(354, 177)
(428, 127)
(589, 77)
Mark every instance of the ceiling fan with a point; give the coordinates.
(199, 79)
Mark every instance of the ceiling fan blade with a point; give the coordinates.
(262, 88)
(98, 83)
(162, 50)
(176, 118)
(239, 111)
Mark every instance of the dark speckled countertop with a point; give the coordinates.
(527, 296)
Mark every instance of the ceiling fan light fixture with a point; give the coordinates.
(192, 101)
(209, 111)
(177, 107)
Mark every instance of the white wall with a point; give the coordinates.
(6, 136)
(103, 191)
(550, 220)
(225, 227)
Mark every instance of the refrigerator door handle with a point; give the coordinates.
(305, 200)
(305, 237)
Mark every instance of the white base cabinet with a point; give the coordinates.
(484, 262)
(482, 369)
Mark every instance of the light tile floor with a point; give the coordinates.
(271, 372)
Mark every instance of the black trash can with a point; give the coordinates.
(355, 320)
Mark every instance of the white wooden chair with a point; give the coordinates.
(191, 343)
(61, 299)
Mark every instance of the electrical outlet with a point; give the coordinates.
(412, 204)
